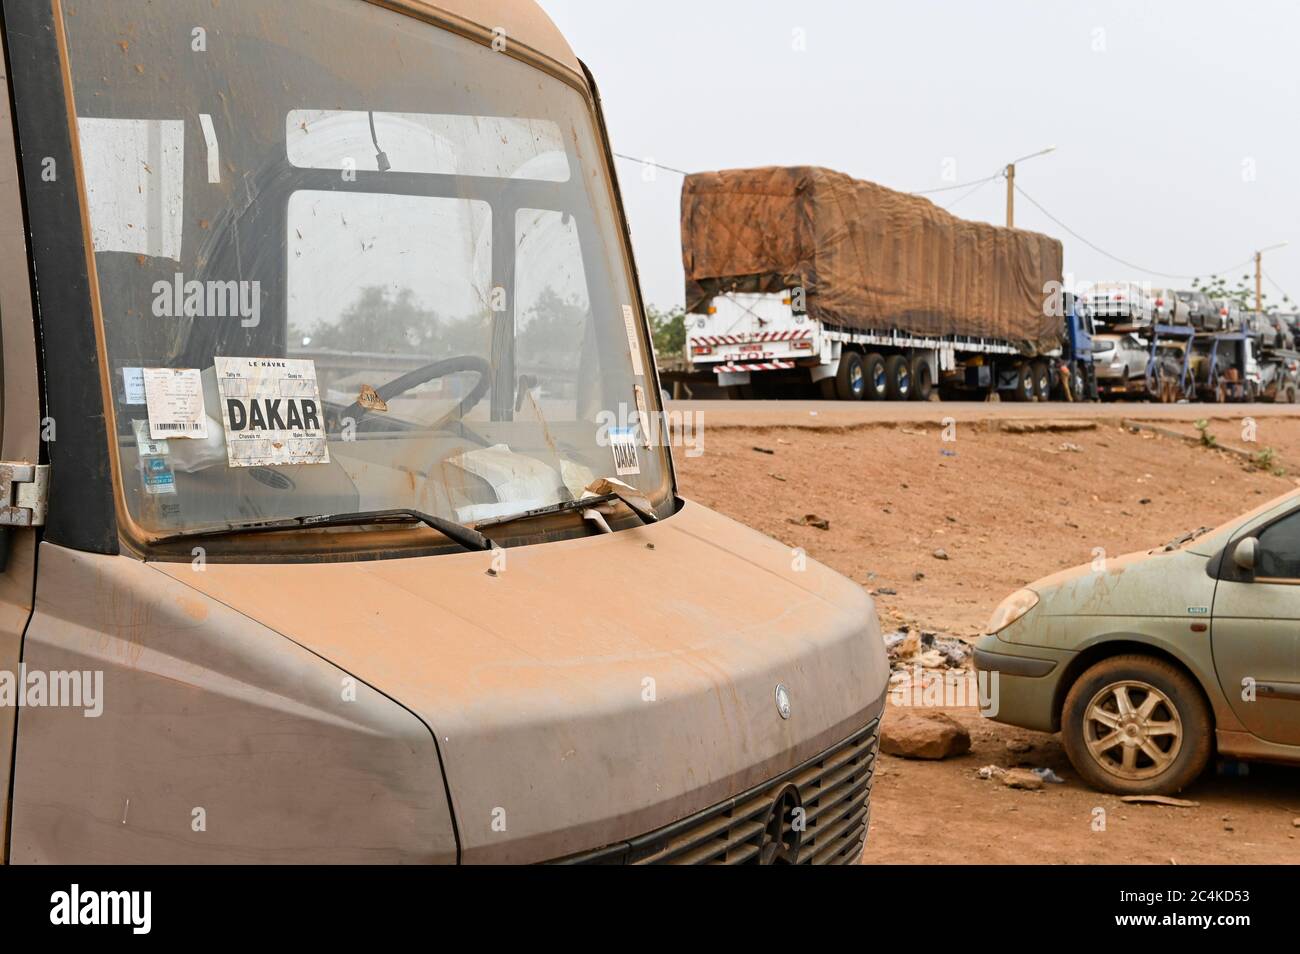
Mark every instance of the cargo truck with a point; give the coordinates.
(800, 278)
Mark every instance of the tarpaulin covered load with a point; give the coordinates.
(866, 256)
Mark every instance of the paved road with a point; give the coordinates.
(857, 413)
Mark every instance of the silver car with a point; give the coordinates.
(1121, 361)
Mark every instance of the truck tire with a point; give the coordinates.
(1160, 751)
(898, 378)
(873, 368)
(1042, 381)
(922, 382)
(850, 380)
(1024, 389)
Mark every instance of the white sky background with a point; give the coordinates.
(1176, 125)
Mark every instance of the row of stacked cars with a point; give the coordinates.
(1173, 345)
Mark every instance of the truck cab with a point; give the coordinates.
(339, 526)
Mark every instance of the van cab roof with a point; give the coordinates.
(525, 23)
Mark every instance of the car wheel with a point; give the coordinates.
(898, 378)
(1136, 725)
(850, 380)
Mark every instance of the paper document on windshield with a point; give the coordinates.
(174, 403)
(271, 411)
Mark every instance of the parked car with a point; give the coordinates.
(1121, 361)
(1168, 309)
(1148, 664)
(1285, 330)
(1119, 303)
(1280, 379)
(1229, 315)
(1201, 311)
(1263, 329)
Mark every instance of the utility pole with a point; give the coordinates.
(1011, 196)
(1259, 282)
(1259, 275)
(1010, 173)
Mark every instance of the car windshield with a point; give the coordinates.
(349, 261)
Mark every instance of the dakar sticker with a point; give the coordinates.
(271, 411)
(622, 442)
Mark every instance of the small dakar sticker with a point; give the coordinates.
(174, 403)
(622, 441)
(271, 411)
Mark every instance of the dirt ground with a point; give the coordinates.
(1007, 508)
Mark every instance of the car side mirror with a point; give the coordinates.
(1245, 554)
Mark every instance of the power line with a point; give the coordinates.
(960, 185)
(1285, 296)
(979, 185)
(975, 185)
(1127, 264)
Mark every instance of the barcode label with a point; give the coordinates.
(174, 400)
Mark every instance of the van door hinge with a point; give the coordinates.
(24, 493)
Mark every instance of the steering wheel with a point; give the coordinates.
(437, 369)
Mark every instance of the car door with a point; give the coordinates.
(1255, 630)
(20, 434)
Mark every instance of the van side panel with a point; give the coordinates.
(218, 741)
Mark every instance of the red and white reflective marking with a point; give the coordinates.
(746, 339)
(760, 366)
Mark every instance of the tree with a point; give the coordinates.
(1242, 293)
(668, 329)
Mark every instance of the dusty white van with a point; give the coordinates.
(333, 528)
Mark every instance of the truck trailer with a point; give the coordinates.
(800, 277)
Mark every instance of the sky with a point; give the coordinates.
(1176, 134)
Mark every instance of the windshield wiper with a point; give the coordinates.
(467, 537)
(562, 507)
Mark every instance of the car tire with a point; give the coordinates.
(850, 380)
(898, 378)
(1153, 763)
(873, 368)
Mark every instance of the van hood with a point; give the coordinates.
(593, 689)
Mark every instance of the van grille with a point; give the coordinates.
(833, 791)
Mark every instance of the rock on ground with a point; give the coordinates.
(913, 734)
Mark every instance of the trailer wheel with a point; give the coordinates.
(898, 378)
(1024, 390)
(922, 382)
(873, 369)
(1042, 381)
(851, 379)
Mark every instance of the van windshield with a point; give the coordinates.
(349, 261)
